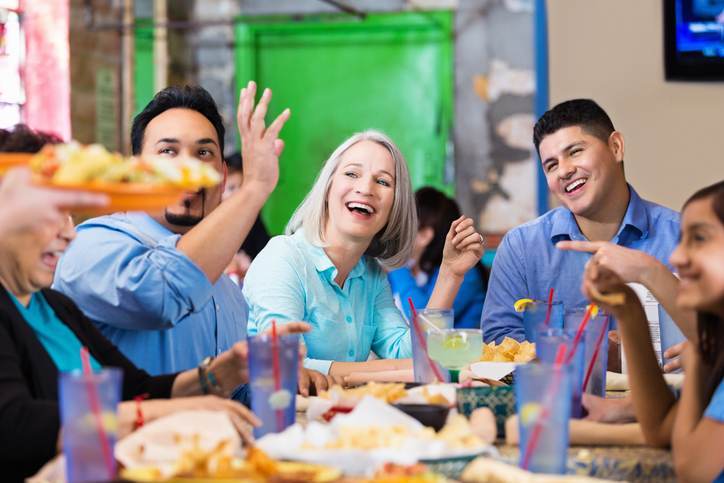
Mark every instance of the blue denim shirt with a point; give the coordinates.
(291, 279)
(527, 263)
(147, 297)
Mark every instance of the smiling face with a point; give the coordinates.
(699, 259)
(361, 193)
(185, 132)
(582, 170)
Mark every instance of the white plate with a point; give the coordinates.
(493, 370)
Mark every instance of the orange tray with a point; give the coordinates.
(125, 196)
(13, 160)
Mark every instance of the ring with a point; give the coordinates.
(482, 239)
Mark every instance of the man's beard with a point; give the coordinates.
(187, 219)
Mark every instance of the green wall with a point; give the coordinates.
(339, 75)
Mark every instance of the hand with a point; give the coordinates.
(608, 410)
(674, 353)
(690, 359)
(318, 382)
(28, 209)
(598, 280)
(240, 416)
(463, 247)
(231, 368)
(260, 146)
(628, 264)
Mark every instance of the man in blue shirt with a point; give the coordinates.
(582, 157)
(154, 283)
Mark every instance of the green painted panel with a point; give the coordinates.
(143, 81)
(340, 75)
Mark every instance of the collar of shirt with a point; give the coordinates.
(634, 226)
(325, 266)
(146, 224)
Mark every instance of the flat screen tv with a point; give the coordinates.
(694, 39)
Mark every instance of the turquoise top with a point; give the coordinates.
(57, 338)
(291, 279)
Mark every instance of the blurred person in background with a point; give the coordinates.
(258, 236)
(416, 280)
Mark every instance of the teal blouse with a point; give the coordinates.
(60, 342)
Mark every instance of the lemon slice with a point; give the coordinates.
(529, 413)
(521, 304)
(594, 310)
(455, 341)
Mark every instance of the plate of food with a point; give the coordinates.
(13, 160)
(200, 446)
(373, 434)
(148, 183)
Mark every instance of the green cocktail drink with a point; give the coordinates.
(455, 348)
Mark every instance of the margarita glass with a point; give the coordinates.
(455, 349)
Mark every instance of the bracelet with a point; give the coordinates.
(203, 382)
(140, 421)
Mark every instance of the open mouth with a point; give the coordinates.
(362, 209)
(575, 186)
(51, 258)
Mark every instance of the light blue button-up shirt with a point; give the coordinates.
(527, 262)
(291, 279)
(147, 297)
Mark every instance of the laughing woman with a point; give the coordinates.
(328, 270)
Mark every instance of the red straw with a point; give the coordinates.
(423, 342)
(550, 306)
(96, 409)
(276, 372)
(545, 412)
(579, 332)
(599, 342)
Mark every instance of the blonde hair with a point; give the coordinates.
(393, 244)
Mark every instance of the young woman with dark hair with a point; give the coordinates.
(693, 425)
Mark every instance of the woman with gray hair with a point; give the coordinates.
(329, 268)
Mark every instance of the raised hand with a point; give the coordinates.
(260, 145)
(464, 247)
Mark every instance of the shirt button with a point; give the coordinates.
(218, 307)
(351, 353)
(348, 319)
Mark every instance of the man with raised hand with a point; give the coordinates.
(155, 283)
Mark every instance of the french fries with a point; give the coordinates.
(510, 350)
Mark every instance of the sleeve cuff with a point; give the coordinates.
(318, 365)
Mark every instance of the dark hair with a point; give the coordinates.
(235, 163)
(710, 327)
(576, 112)
(188, 97)
(437, 211)
(23, 139)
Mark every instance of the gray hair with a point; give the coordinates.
(393, 244)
